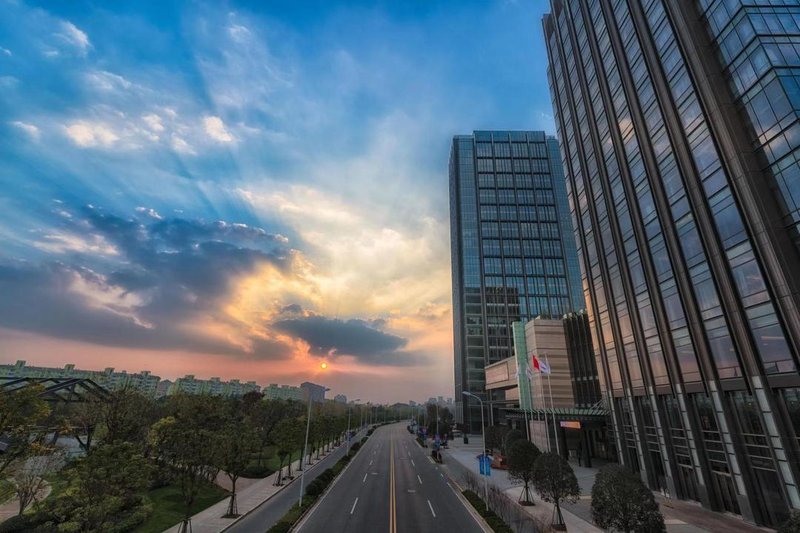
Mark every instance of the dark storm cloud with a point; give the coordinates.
(171, 272)
(351, 337)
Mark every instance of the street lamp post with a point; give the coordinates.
(483, 434)
(305, 448)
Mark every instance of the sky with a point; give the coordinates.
(247, 189)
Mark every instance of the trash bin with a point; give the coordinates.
(466, 439)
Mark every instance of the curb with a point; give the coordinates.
(303, 517)
(458, 491)
(287, 485)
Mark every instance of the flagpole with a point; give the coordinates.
(530, 400)
(544, 409)
(552, 406)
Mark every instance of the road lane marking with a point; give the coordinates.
(413, 463)
(392, 495)
(353, 508)
(365, 478)
(420, 479)
(431, 508)
(370, 462)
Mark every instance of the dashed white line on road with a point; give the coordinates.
(356, 502)
(370, 463)
(413, 463)
(429, 505)
(420, 479)
(365, 478)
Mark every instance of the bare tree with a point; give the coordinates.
(28, 474)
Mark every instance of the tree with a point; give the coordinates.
(521, 457)
(237, 442)
(792, 525)
(187, 444)
(20, 413)
(105, 491)
(494, 437)
(127, 416)
(510, 438)
(82, 420)
(28, 474)
(265, 416)
(620, 500)
(555, 482)
(288, 434)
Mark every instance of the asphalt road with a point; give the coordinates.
(271, 511)
(390, 485)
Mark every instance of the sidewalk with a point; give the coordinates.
(679, 516)
(466, 456)
(210, 520)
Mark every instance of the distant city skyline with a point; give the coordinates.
(248, 190)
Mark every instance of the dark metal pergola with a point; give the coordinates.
(65, 390)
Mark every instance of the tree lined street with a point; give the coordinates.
(392, 483)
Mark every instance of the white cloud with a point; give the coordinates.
(149, 211)
(181, 146)
(61, 243)
(75, 37)
(153, 121)
(30, 129)
(90, 134)
(215, 129)
(6, 51)
(107, 81)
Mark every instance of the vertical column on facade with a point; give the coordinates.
(729, 298)
(659, 198)
(569, 40)
(565, 125)
(761, 214)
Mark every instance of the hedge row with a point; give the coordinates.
(313, 491)
(494, 521)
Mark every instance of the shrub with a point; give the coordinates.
(284, 526)
(620, 500)
(792, 525)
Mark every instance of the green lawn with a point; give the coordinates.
(168, 506)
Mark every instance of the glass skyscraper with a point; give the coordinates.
(680, 136)
(508, 219)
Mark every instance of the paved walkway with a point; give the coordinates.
(248, 498)
(679, 516)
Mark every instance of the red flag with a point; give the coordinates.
(535, 362)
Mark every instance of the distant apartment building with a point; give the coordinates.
(282, 392)
(143, 381)
(214, 386)
(314, 392)
(340, 398)
(163, 388)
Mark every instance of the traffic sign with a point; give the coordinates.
(485, 465)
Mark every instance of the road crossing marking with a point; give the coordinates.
(353, 508)
(370, 463)
(420, 479)
(365, 478)
(431, 508)
(413, 463)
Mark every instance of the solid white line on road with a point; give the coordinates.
(420, 479)
(430, 506)
(354, 506)
(413, 463)
(365, 478)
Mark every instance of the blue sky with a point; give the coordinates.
(244, 189)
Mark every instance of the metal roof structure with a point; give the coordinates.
(66, 390)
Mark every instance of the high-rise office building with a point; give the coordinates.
(508, 216)
(680, 135)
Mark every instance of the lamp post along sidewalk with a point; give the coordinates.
(483, 436)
